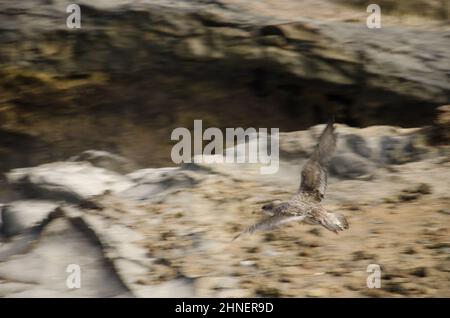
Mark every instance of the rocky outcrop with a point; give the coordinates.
(166, 232)
(137, 69)
(19, 216)
(438, 9)
(104, 159)
(69, 181)
(441, 129)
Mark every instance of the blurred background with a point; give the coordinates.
(90, 112)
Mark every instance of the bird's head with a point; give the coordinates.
(269, 207)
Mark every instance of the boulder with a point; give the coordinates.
(441, 128)
(1, 221)
(44, 268)
(351, 166)
(71, 181)
(18, 216)
(400, 149)
(150, 182)
(106, 160)
(358, 145)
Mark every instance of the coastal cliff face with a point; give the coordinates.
(137, 69)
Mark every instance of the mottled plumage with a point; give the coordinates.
(305, 204)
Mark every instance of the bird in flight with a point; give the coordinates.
(304, 206)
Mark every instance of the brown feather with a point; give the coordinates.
(314, 173)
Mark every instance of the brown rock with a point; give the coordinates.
(441, 129)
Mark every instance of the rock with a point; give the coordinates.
(398, 150)
(217, 283)
(410, 250)
(358, 145)
(315, 231)
(362, 255)
(411, 193)
(168, 177)
(71, 181)
(424, 188)
(405, 197)
(318, 292)
(434, 9)
(394, 286)
(151, 175)
(267, 292)
(418, 189)
(351, 286)
(296, 144)
(106, 160)
(247, 263)
(441, 127)
(370, 146)
(419, 272)
(338, 272)
(44, 266)
(415, 289)
(175, 288)
(295, 62)
(444, 211)
(351, 166)
(19, 216)
(12, 288)
(150, 182)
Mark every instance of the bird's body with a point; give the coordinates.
(305, 205)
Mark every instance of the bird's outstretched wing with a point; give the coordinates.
(314, 173)
(271, 223)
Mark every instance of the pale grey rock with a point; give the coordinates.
(152, 182)
(247, 263)
(351, 166)
(106, 160)
(358, 145)
(151, 175)
(378, 144)
(38, 292)
(70, 181)
(167, 177)
(10, 288)
(143, 192)
(401, 149)
(62, 243)
(19, 216)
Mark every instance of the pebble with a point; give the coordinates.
(247, 263)
(318, 292)
(419, 272)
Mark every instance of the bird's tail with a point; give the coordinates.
(270, 223)
(334, 222)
